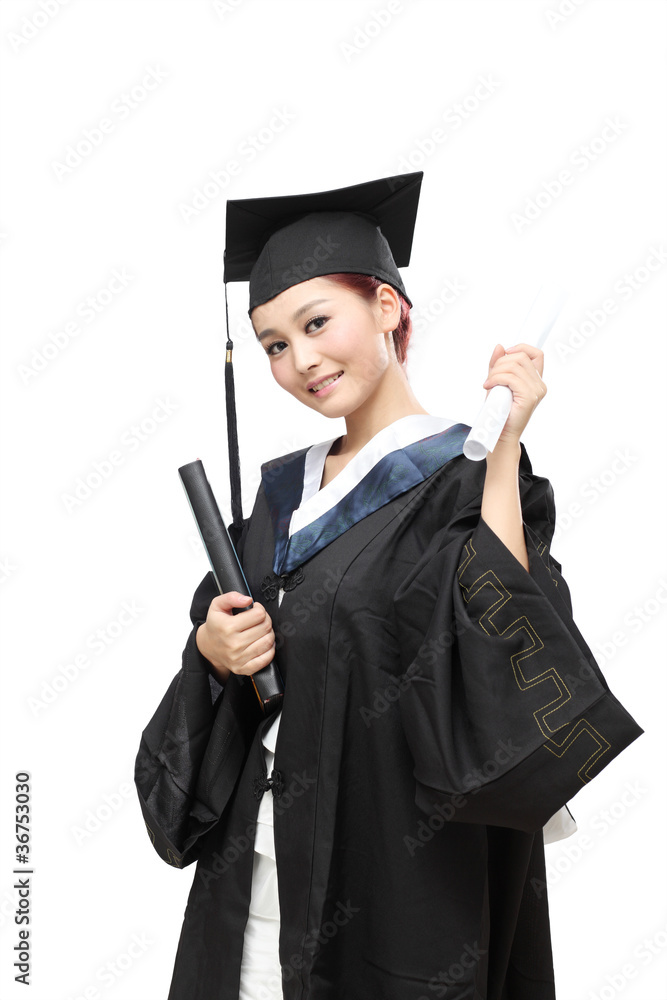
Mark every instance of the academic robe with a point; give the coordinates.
(440, 706)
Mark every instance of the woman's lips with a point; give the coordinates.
(327, 388)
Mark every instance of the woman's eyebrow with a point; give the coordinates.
(295, 316)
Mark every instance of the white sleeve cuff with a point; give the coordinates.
(560, 826)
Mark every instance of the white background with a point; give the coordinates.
(361, 98)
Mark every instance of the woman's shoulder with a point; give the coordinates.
(287, 458)
(292, 463)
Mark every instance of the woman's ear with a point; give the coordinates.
(390, 307)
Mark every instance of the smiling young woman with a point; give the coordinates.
(334, 349)
(381, 837)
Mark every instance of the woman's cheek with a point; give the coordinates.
(281, 377)
(373, 366)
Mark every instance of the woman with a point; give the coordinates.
(380, 838)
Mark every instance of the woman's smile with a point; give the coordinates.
(325, 385)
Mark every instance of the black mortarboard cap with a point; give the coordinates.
(278, 242)
(275, 243)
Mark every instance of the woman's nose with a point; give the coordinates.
(304, 356)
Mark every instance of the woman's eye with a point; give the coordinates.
(276, 343)
(315, 323)
(320, 320)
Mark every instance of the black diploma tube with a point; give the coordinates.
(226, 568)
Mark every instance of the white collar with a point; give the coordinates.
(315, 501)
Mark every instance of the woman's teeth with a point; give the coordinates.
(327, 381)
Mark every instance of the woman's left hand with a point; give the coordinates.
(520, 368)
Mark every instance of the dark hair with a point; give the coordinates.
(366, 286)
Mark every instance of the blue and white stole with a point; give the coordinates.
(306, 518)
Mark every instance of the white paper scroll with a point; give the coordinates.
(491, 419)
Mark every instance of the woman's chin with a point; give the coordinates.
(337, 404)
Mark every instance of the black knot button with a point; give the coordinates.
(263, 784)
(273, 582)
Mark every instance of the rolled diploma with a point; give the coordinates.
(491, 419)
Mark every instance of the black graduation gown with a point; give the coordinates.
(440, 705)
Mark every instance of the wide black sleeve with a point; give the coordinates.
(504, 707)
(192, 750)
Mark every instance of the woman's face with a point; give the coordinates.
(318, 330)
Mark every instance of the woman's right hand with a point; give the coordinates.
(237, 644)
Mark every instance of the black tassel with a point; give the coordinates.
(232, 433)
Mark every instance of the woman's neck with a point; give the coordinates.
(393, 399)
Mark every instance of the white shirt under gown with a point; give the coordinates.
(260, 964)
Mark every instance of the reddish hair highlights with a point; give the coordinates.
(366, 286)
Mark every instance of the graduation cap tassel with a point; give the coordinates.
(232, 433)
